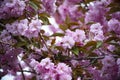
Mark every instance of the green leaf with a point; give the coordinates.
(114, 9)
(99, 44)
(36, 44)
(45, 20)
(90, 46)
(90, 43)
(88, 1)
(53, 41)
(45, 37)
(58, 34)
(59, 48)
(93, 54)
(112, 39)
(89, 23)
(61, 57)
(63, 27)
(82, 19)
(20, 44)
(67, 20)
(44, 14)
(33, 5)
(73, 23)
(75, 50)
(22, 39)
(114, 4)
(82, 49)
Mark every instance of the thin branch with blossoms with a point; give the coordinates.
(60, 39)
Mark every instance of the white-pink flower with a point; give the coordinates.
(114, 25)
(47, 70)
(63, 68)
(67, 42)
(79, 35)
(65, 77)
(25, 28)
(95, 28)
(46, 63)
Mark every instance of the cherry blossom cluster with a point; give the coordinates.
(60, 39)
(25, 28)
(68, 41)
(68, 8)
(47, 70)
(96, 30)
(11, 8)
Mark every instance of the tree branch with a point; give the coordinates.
(22, 71)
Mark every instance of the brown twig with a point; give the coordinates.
(22, 71)
(45, 43)
(28, 71)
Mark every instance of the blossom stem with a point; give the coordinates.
(89, 58)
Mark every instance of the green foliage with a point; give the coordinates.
(33, 5)
(113, 38)
(113, 10)
(82, 19)
(88, 1)
(22, 42)
(63, 27)
(75, 50)
(59, 48)
(114, 7)
(61, 58)
(45, 20)
(90, 46)
(45, 37)
(99, 44)
(90, 23)
(53, 41)
(58, 34)
(57, 53)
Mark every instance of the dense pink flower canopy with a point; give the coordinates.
(60, 39)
